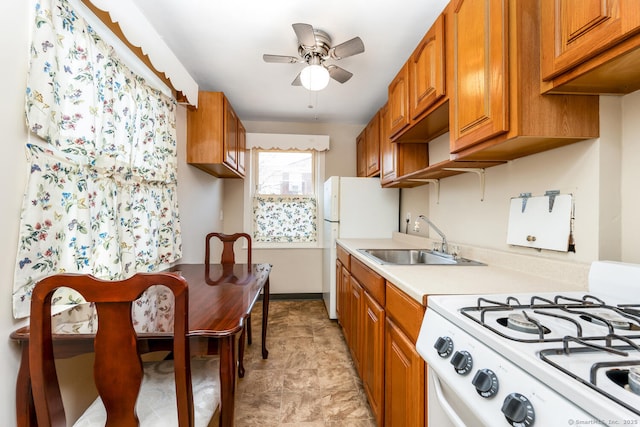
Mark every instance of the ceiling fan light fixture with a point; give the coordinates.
(314, 77)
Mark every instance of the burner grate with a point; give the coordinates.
(585, 346)
(608, 315)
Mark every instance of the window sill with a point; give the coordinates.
(314, 245)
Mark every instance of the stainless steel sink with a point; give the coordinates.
(415, 257)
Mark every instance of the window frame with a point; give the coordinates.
(251, 184)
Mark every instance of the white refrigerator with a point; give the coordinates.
(354, 208)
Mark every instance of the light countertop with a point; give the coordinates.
(504, 272)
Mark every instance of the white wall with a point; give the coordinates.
(630, 196)
(15, 23)
(294, 270)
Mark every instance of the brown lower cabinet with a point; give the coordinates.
(381, 325)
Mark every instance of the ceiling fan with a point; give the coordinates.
(314, 49)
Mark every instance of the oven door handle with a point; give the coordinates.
(444, 403)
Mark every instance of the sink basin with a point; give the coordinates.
(414, 257)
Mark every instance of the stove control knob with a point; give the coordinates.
(444, 346)
(485, 382)
(518, 410)
(462, 362)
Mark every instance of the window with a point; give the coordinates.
(285, 205)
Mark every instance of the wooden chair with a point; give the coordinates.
(166, 392)
(228, 258)
(228, 254)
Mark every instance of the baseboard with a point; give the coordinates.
(294, 296)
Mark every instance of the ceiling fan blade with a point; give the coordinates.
(296, 81)
(339, 74)
(305, 34)
(348, 48)
(280, 59)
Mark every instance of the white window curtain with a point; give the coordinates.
(101, 196)
(285, 219)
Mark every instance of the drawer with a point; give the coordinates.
(405, 311)
(343, 256)
(369, 279)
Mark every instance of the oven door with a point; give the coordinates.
(446, 408)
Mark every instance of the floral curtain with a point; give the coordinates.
(290, 219)
(101, 196)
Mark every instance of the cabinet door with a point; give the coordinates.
(399, 101)
(576, 30)
(231, 137)
(373, 355)
(339, 296)
(372, 144)
(242, 147)
(355, 310)
(342, 280)
(404, 380)
(427, 70)
(361, 155)
(388, 150)
(480, 75)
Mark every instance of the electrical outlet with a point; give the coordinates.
(408, 217)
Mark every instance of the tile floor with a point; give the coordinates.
(309, 378)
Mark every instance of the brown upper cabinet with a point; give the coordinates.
(361, 154)
(216, 139)
(418, 105)
(372, 138)
(590, 46)
(399, 101)
(388, 150)
(242, 147)
(397, 160)
(427, 70)
(497, 109)
(368, 149)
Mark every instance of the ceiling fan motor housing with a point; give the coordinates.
(320, 50)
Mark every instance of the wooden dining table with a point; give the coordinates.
(221, 298)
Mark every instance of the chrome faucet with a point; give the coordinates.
(444, 246)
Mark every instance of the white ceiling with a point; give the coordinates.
(221, 42)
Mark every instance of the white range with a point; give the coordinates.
(571, 358)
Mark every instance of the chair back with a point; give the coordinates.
(118, 370)
(228, 254)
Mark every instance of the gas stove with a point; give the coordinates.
(537, 359)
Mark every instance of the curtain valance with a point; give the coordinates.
(139, 32)
(277, 141)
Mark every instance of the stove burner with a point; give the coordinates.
(629, 379)
(634, 379)
(523, 323)
(606, 318)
